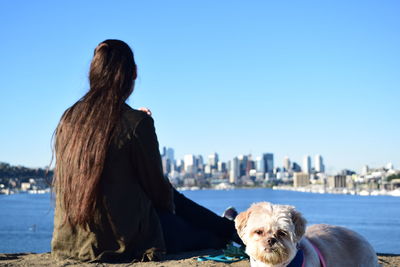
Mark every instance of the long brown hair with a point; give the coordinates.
(85, 131)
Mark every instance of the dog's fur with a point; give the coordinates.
(273, 234)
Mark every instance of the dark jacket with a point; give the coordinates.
(132, 188)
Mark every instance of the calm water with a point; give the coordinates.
(26, 221)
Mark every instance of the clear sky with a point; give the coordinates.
(233, 77)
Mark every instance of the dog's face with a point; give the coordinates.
(270, 232)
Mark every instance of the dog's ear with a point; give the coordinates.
(240, 223)
(299, 223)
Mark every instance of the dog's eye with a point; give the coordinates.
(281, 233)
(258, 232)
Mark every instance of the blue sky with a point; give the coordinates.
(233, 77)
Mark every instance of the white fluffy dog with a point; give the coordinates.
(275, 235)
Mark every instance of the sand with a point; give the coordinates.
(186, 259)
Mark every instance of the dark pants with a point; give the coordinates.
(194, 227)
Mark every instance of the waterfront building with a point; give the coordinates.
(319, 164)
(25, 186)
(234, 171)
(307, 164)
(337, 181)
(301, 179)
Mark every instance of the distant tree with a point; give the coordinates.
(20, 172)
(393, 176)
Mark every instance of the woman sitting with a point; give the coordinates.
(112, 201)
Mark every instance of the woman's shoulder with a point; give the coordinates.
(134, 120)
(133, 115)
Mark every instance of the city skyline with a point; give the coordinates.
(233, 77)
(307, 164)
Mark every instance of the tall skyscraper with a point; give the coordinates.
(189, 161)
(307, 164)
(170, 154)
(250, 165)
(242, 164)
(260, 166)
(234, 171)
(221, 166)
(199, 163)
(269, 162)
(319, 164)
(167, 158)
(286, 164)
(213, 160)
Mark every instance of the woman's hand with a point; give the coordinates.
(146, 110)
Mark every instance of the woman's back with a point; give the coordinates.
(125, 223)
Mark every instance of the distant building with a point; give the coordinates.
(365, 170)
(390, 166)
(301, 179)
(296, 167)
(168, 153)
(207, 169)
(221, 166)
(250, 165)
(319, 164)
(234, 170)
(213, 161)
(166, 164)
(167, 159)
(269, 162)
(242, 164)
(260, 166)
(286, 164)
(337, 181)
(189, 163)
(306, 164)
(347, 172)
(199, 163)
(25, 186)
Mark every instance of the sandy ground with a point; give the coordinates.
(187, 259)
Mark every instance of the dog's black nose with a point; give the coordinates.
(271, 241)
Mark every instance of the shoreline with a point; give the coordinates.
(183, 259)
(313, 188)
(320, 189)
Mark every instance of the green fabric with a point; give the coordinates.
(132, 188)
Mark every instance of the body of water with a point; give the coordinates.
(26, 221)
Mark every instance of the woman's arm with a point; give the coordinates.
(148, 163)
